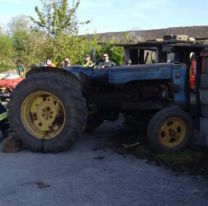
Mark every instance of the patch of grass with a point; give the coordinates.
(142, 150)
(191, 160)
(183, 157)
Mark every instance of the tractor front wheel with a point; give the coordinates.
(169, 130)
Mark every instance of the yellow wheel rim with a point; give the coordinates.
(43, 115)
(172, 132)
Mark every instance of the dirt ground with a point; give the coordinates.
(96, 171)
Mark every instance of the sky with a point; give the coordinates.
(121, 15)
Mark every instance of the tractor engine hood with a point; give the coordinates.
(125, 74)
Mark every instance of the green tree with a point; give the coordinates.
(18, 23)
(57, 17)
(6, 52)
(59, 25)
(116, 53)
(27, 42)
(73, 47)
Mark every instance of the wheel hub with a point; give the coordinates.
(172, 132)
(43, 115)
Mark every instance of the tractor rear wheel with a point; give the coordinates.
(47, 111)
(169, 130)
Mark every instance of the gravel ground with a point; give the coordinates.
(90, 174)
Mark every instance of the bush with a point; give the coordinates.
(115, 53)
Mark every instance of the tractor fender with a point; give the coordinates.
(56, 70)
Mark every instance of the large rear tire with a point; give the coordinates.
(169, 130)
(47, 111)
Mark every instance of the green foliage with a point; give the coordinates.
(26, 42)
(73, 47)
(59, 26)
(53, 35)
(115, 53)
(57, 17)
(19, 23)
(181, 157)
(6, 52)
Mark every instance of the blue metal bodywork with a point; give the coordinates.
(175, 73)
(123, 75)
(180, 82)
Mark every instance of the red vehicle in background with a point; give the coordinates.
(8, 82)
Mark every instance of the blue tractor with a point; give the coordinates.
(51, 108)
